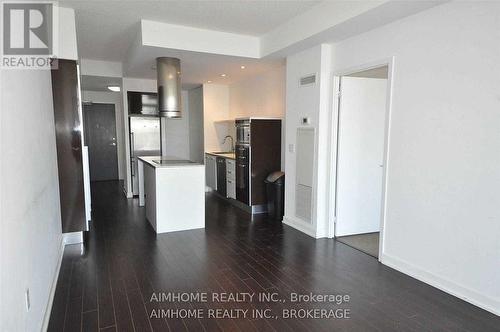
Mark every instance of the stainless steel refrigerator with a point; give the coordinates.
(144, 141)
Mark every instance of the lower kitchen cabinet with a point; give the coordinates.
(230, 179)
(221, 175)
(211, 171)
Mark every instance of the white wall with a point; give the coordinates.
(30, 214)
(196, 136)
(314, 102)
(101, 68)
(66, 42)
(216, 110)
(159, 34)
(178, 132)
(443, 185)
(261, 95)
(116, 99)
(30, 229)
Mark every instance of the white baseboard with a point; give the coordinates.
(480, 300)
(73, 238)
(48, 307)
(127, 194)
(300, 226)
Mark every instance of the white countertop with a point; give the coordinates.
(168, 162)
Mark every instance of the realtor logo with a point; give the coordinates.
(28, 34)
(27, 28)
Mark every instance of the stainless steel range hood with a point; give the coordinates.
(169, 94)
(169, 87)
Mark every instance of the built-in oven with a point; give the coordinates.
(242, 131)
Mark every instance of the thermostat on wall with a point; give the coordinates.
(305, 120)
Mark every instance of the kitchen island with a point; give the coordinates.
(173, 192)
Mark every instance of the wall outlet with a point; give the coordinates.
(28, 302)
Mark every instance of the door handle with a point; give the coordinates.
(132, 144)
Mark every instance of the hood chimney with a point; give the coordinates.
(169, 94)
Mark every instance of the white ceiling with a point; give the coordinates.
(198, 68)
(110, 30)
(105, 28)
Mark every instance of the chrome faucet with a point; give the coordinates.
(232, 142)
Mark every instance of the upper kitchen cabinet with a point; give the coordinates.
(142, 103)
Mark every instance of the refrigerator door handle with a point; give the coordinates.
(132, 145)
(132, 156)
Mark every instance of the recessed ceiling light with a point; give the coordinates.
(114, 88)
(209, 81)
(242, 67)
(223, 75)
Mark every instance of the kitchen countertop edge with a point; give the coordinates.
(233, 157)
(149, 161)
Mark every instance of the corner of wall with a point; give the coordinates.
(299, 225)
(314, 102)
(324, 131)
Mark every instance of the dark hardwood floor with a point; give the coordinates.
(108, 285)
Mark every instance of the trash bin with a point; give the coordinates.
(275, 188)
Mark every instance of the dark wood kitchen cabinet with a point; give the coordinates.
(256, 160)
(142, 103)
(68, 126)
(265, 149)
(221, 176)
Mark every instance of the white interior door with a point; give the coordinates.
(360, 155)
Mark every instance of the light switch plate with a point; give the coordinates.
(291, 148)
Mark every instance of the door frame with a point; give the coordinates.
(91, 103)
(389, 62)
